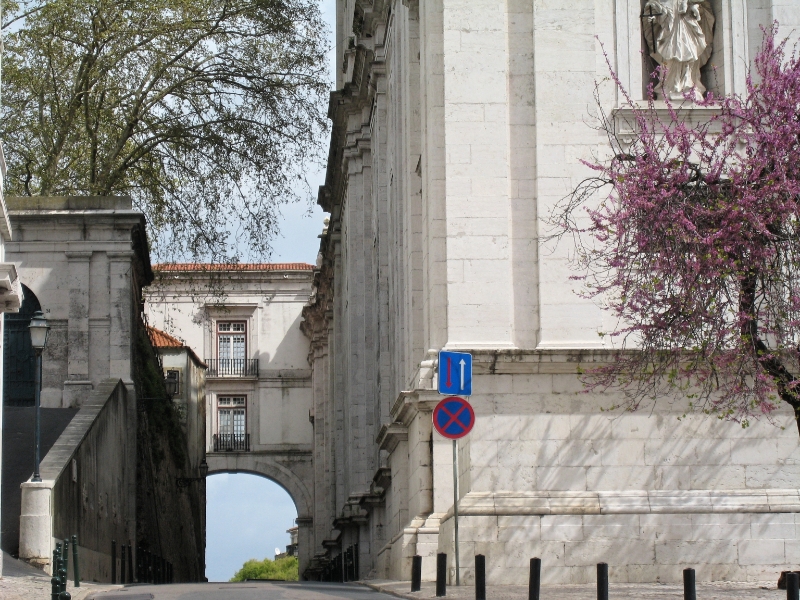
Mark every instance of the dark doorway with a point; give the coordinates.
(19, 360)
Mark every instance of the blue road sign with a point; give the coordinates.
(455, 373)
(453, 417)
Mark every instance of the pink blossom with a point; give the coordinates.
(695, 247)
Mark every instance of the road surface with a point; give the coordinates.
(251, 590)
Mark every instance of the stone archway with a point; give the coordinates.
(18, 357)
(293, 471)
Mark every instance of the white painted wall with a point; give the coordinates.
(270, 302)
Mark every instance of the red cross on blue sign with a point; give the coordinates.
(453, 417)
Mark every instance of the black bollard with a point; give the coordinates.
(535, 579)
(416, 573)
(65, 595)
(75, 560)
(54, 570)
(792, 586)
(122, 564)
(130, 562)
(55, 587)
(113, 561)
(57, 565)
(602, 581)
(480, 577)
(689, 589)
(441, 574)
(66, 556)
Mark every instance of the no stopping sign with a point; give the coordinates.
(453, 417)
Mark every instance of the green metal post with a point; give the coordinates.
(75, 560)
(62, 573)
(66, 555)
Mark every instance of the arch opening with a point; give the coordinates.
(248, 516)
(19, 359)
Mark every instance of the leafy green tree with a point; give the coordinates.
(207, 113)
(283, 569)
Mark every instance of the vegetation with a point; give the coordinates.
(695, 247)
(207, 113)
(280, 569)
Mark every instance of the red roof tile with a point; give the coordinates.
(233, 267)
(161, 339)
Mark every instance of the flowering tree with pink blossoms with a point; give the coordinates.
(690, 236)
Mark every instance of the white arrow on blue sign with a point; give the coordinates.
(455, 373)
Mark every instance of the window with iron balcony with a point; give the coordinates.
(231, 350)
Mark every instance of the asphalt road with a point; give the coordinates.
(251, 590)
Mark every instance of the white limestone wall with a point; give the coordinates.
(545, 473)
(477, 203)
(638, 548)
(568, 61)
(503, 93)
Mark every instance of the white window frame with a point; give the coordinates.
(232, 364)
(232, 402)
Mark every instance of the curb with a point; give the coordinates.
(394, 593)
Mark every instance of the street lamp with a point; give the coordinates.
(183, 482)
(39, 331)
(171, 383)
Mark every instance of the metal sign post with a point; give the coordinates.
(455, 505)
(454, 418)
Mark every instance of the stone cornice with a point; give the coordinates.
(409, 404)
(390, 435)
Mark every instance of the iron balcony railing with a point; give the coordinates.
(232, 367)
(231, 442)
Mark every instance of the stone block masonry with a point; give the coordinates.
(457, 127)
(86, 260)
(84, 489)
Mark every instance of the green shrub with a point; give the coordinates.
(282, 569)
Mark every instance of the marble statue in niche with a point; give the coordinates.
(679, 35)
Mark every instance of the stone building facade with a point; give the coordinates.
(244, 322)
(457, 125)
(86, 260)
(110, 469)
(10, 296)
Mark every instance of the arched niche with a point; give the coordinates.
(19, 360)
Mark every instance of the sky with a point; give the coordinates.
(246, 515)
